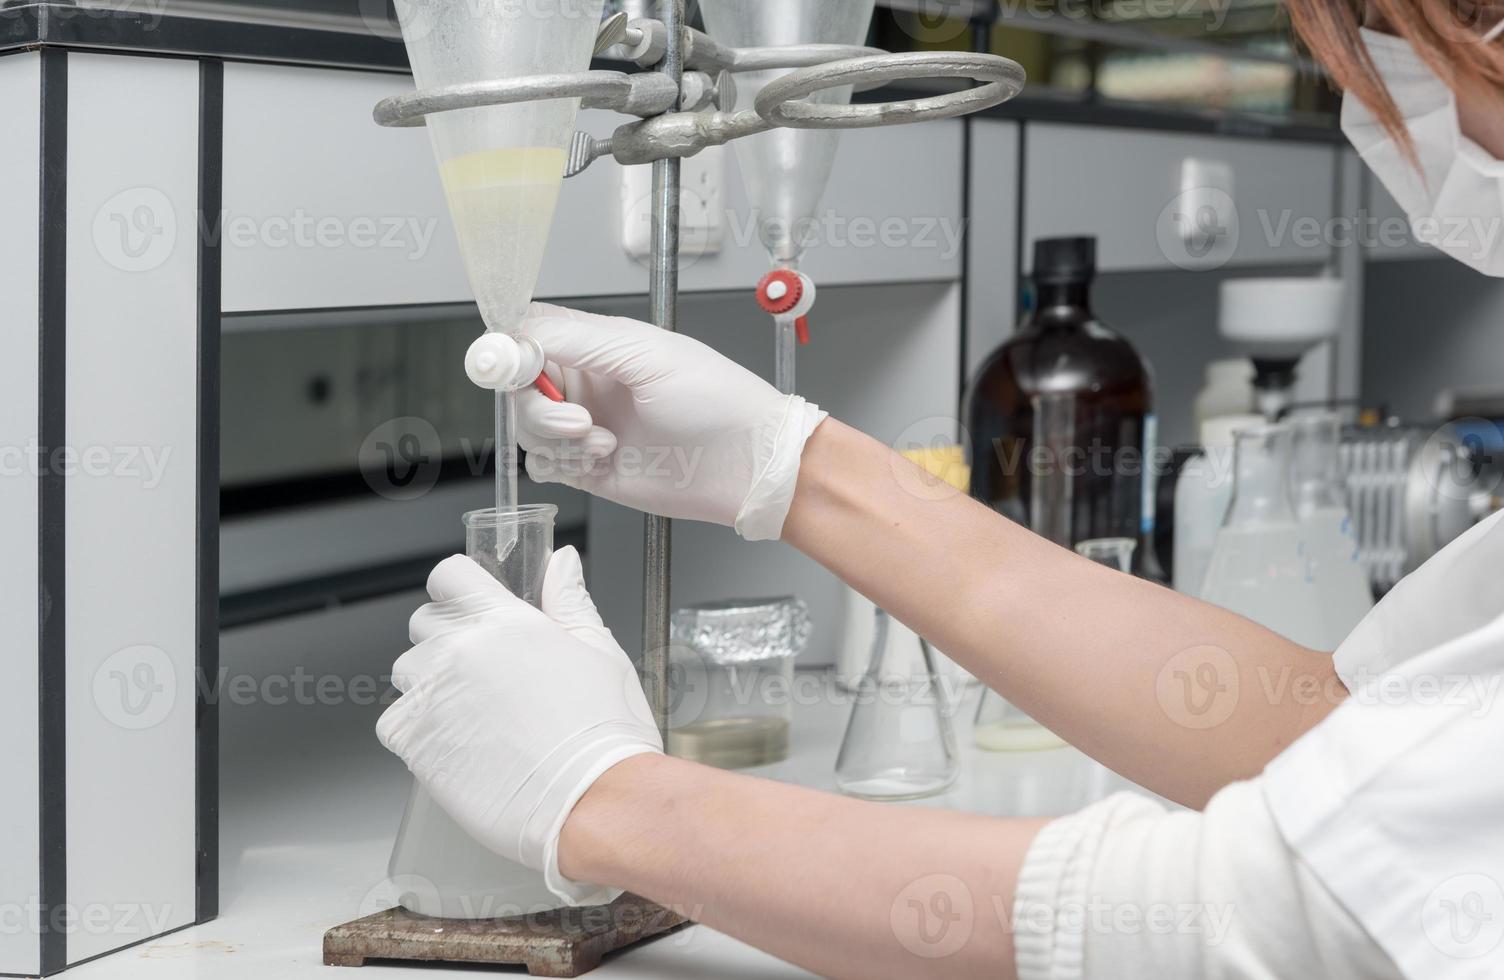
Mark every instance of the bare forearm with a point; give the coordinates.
(1178, 695)
(819, 880)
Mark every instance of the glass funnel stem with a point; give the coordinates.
(506, 467)
(787, 345)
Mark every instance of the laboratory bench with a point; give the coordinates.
(310, 814)
(263, 362)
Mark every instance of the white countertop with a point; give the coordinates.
(310, 809)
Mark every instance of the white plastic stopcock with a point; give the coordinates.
(502, 362)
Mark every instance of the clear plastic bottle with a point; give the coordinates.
(1320, 499)
(1260, 567)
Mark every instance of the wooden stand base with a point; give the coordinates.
(562, 943)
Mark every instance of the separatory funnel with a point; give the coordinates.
(786, 170)
(501, 166)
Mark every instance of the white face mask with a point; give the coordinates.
(1455, 202)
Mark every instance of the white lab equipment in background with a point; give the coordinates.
(1331, 539)
(1260, 568)
(1276, 322)
(1228, 390)
(1202, 495)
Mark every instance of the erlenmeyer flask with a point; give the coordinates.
(501, 165)
(439, 869)
(1320, 499)
(899, 744)
(786, 170)
(1261, 567)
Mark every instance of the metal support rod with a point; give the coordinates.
(663, 294)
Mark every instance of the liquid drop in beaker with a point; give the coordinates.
(899, 743)
(441, 870)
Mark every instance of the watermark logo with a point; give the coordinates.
(136, 230)
(935, 22)
(1464, 916)
(1198, 229)
(1198, 687)
(401, 459)
(136, 688)
(934, 916)
(935, 437)
(1464, 467)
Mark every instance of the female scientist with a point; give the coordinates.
(1345, 812)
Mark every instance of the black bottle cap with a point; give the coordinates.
(1065, 260)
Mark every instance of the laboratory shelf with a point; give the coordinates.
(311, 804)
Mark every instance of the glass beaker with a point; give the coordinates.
(439, 869)
(1115, 553)
(1260, 567)
(732, 679)
(899, 744)
(1320, 498)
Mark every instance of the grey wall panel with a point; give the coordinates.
(20, 154)
(300, 146)
(883, 360)
(1389, 236)
(1428, 325)
(992, 270)
(1125, 187)
(132, 373)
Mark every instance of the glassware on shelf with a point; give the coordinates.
(439, 869)
(1261, 567)
(732, 677)
(1115, 553)
(1320, 498)
(899, 743)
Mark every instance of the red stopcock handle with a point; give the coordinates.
(785, 292)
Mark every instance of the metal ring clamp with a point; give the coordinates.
(782, 101)
(597, 89)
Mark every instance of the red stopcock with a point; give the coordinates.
(784, 292)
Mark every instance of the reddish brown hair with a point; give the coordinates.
(1447, 34)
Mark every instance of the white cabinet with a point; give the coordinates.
(1166, 200)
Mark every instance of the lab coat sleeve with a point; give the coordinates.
(1125, 890)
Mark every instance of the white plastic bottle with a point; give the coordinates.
(1202, 496)
(1320, 500)
(1260, 567)
(1228, 390)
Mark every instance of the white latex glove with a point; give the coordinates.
(662, 423)
(509, 713)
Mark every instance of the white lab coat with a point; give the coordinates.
(1371, 849)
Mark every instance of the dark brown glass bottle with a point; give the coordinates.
(1060, 415)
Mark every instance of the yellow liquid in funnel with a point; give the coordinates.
(503, 204)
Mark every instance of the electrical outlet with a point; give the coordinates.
(702, 206)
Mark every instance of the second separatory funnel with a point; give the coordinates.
(786, 170)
